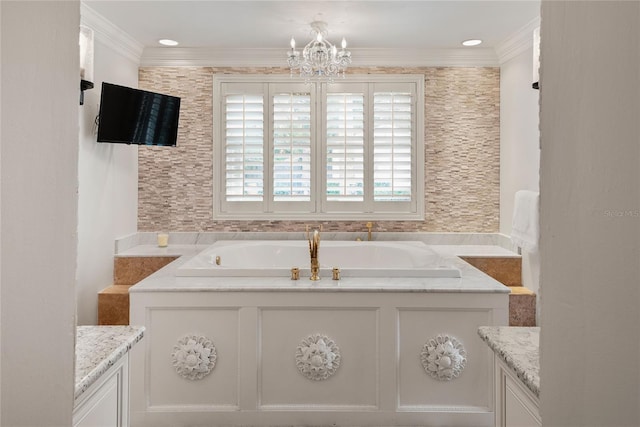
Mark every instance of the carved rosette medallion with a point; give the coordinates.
(317, 357)
(194, 357)
(443, 357)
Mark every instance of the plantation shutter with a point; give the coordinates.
(244, 153)
(345, 147)
(292, 147)
(392, 142)
(241, 177)
(348, 150)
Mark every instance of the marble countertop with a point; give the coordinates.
(145, 250)
(488, 251)
(519, 348)
(150, 250)
(182, 243)
(98, 348)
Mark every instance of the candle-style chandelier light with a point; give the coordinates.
(319, 59)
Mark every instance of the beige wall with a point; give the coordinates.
(39, 64)
(462, 155)
(590, 213)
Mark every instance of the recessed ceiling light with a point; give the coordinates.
(471, 42)
(168, 42)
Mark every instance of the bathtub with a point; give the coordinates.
(275, 258)
(236, 344)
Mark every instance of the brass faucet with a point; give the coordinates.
(314, 246)
(369, 227)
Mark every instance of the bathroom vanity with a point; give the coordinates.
(381, 350)
(102, 375)
(517, 374)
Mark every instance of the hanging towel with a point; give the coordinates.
(526, 223)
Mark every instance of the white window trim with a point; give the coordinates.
(417, 161)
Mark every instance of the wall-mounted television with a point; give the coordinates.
(135, 116)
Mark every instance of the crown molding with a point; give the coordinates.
(518, 42)
(226, 57)
(109, 34)
(456, 57)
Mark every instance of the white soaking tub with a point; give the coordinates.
(276, 258)
(392, 343)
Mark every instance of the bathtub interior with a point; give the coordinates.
(354, 259)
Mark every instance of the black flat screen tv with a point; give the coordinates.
(135, 116)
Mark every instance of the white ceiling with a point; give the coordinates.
(367, 25)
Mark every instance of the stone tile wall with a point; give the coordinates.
(462, 155)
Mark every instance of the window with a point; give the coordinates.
(352, 149)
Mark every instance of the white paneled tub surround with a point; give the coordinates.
(382, 350)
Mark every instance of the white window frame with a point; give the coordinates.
(318, 208)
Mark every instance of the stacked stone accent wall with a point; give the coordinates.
(462, 155)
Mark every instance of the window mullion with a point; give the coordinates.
(268, 149)
(321, 135)
(368, 149)
(319, 174)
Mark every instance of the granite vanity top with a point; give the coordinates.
(98, 348)
(519, 348)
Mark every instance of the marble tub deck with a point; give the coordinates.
(186, 245)
(98, 348)
(136, 254)
(165, 279)
(519, 348)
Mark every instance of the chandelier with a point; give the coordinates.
(319, 58)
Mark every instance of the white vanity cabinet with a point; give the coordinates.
(516, 374)
(102, 375)
(106, 402)
(516, 406)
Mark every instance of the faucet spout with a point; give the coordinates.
(314, 246)
(369, 227)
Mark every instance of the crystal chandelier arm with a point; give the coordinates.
(319, 58)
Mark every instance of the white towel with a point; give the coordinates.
(526, 224)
